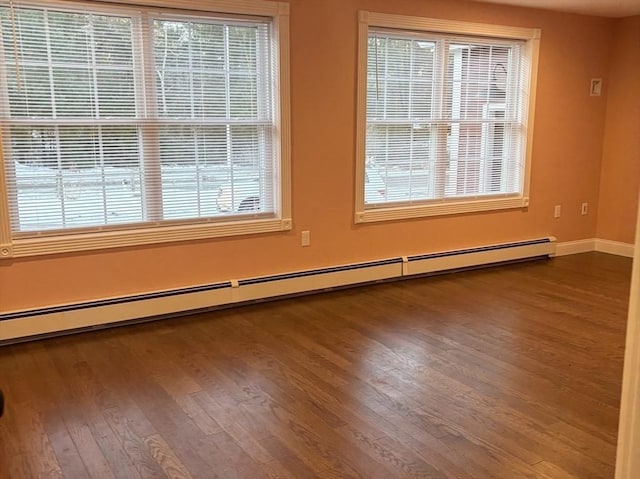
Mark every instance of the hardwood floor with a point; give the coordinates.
(509, 372)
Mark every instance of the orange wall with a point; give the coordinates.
(621, 159)
(566, 167)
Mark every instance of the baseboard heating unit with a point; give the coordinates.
(35, 323)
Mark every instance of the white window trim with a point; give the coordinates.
(440, 206)
(94, 240)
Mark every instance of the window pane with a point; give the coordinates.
(201, 164)
(172, 44)
(206, 71)
(74, 94)
(112, 41)
(400, 107)
(69, 37)
(242, 49)
(400, 78)
(399, 163)
(90, 68)
(27, 31)
(71, 177)
(243, 96)
(180, 173)
(248, 188)
(208, 47)
(116, 93)
(174, 97)
(32, 99)
(477, 76)
(211, 100)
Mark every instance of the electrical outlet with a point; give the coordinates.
(556, 211)
(585, 208)
(305, 238)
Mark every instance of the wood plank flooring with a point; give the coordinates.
(502, 373)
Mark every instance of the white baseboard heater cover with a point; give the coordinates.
(64, 319)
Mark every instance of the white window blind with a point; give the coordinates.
(445, 118)
(115, 117)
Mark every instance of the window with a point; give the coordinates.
(125, 126)
(444, 116)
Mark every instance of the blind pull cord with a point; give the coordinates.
(12, 14)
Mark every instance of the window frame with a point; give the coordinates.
(95, 238)
(435, 207)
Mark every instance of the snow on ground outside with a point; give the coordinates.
(112, 195)
(90, 197)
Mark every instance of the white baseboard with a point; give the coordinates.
(614, 247)
(98, 314)
(595, 244)
(575, 247)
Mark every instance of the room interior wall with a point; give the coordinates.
(567, 154)
(620, 177)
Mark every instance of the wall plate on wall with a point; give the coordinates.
(596, 86)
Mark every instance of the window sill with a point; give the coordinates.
(136, 237)
(440, 208)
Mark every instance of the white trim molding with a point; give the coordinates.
(440, 207)
(403, 22)
(628, 457)
(595, 244)
(139, 236)
(243, 7)
(575, 247)
(614, 247)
